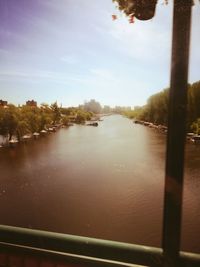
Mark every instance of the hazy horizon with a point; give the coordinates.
(65, 106)
(73, 51)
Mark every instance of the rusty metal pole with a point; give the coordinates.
(176, 133)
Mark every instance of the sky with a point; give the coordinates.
(71, 51)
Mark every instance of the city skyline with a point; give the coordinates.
(74, 52)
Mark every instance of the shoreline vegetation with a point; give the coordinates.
(192, 137)
(155, 113)
(19, 124)
(23, 123)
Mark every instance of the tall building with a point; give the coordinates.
(31, 103)
(3, 103)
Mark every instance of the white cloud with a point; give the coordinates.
(141, 42)
(70, 59)
(103, 74)
(48, 76)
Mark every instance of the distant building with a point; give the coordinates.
(31, 103)
(3, 103)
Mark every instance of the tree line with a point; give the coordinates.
(156, 109)
(25, 119)
(28, 119)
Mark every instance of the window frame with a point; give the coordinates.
(96, 252)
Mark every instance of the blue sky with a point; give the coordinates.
(71, 51)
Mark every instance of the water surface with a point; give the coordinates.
(104, 182)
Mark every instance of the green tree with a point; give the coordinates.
(157, 107)
(3, 123)
(55, 113)
(193, 103)
(32, 117)
(22, 129)
(65, 120)
(9, 121)
(81, 117)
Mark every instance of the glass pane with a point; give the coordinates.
(102, 181)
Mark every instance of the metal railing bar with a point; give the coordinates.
(188, 259)
(63, 245)
(42, 254)
(91, 247)
(176, 133)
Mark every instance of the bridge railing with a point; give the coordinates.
(83, 250)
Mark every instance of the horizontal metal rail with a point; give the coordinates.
(84, 246)
(84, 249)
(56, 258)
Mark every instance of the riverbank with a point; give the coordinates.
(21, 123)
(14, 141)
(191, 137)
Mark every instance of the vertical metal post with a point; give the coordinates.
(176, 133)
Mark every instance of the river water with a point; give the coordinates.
(105, 182)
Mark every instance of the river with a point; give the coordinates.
(105, 182)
